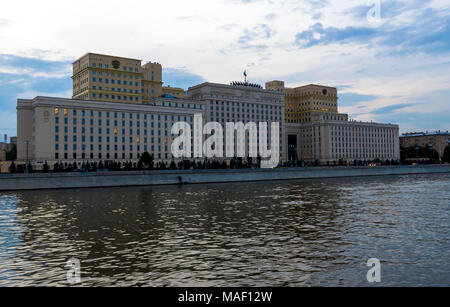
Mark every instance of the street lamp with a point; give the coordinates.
(26, 161)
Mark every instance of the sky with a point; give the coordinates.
(390, 60)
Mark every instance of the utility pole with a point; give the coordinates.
(26, 161)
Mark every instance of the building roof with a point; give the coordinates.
(415, 134)
(229, 86)
(106, 55)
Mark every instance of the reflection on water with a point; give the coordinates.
(286, 233)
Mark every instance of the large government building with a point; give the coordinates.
(101, 77)
(78, 130)
(241, 102)
(120, 109)
(316, 132)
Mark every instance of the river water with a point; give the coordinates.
(283, 233)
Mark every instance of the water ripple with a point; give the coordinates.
(290, 233)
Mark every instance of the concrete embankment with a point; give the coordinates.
(13, 182)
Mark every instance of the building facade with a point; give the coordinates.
(69, 130)
(317, 132)
(332, 138)
(98, 77)
(241, 103)
(437, 140)
(301, 103)
(120, 109)
(174, 91)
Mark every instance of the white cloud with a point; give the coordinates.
(203, 35)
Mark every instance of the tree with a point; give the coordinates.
(446, 156)
(12, 168)
(429, 153)
(12, 154)
(147, 159)
(173, 166)
(45, 168)
(140, 165)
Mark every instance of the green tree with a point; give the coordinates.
(173, 165)
(428, 153)
(140, 165)
(147, 159)
(12, 154)
(45, 168)
(446, 156)
(12, 168)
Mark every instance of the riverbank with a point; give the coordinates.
(16, 182)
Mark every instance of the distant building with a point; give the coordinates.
(437, 140)
(13, 140)
(4, 146)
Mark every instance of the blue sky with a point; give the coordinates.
(394, 69)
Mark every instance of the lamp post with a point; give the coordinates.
(26, 161)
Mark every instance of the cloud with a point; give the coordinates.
(428, 33)
(22, 77)
(262, 31)
(5, 22)
(390, 9)
(270, 17)
(405, 59)
(349, 99)
(318, 35)
(19, 65)
(391, 108)
(427, 111)
(416, 121)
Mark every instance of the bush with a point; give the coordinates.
(147, 159)
(446, 155)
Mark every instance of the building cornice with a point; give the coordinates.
(54, 102)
